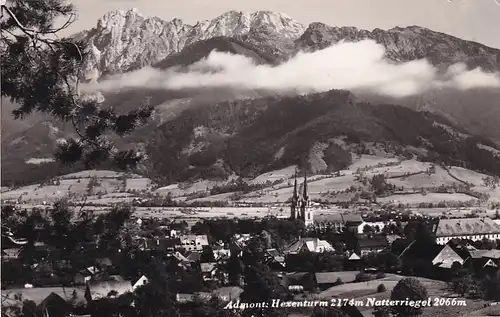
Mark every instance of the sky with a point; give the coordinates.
(477, 20)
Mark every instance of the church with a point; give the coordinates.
(301, 206)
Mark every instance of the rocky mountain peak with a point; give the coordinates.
(405, 44)
(124, 40)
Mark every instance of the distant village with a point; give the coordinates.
(305, 254)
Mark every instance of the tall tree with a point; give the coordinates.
(408, 289)
(41, 72)
(156, 298)
(327, 312)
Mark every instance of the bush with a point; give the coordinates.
(363, 277)
(381, 288)
(380, 275)
(338, 282)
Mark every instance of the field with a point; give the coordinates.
(364, 290)
(409, 176)
(349, 290)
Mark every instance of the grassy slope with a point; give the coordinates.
(116, 187)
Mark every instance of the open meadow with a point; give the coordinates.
(414, 184)
(435, 289)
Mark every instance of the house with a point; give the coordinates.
(309, 245)
(160, 244)
(182, 260)
(221, 254)
(53, 306)
(274, 260)
(11, 253)
(352, 222)
(484, 265)
(193, 242)
(391, 238)
(377, 227)
(353, 262)
(242, 238)
(113, 286)
(354, 257)
(209, 271)
(193, 256)
(238, 243)
(493, 254)
(447, 257)
(373, 244)
(337, 222)
(423, 257)
(143, 280)
(420, 254)
(82, 277)
(466, 228)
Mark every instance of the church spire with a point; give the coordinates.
(295, 199)
(295, 194)
(304, 192)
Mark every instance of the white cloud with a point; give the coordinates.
(352, 66)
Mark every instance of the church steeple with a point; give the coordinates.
(306, 213)
(305, 196)
(300, 206)
(295, 198)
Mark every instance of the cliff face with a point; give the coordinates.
(124, 40)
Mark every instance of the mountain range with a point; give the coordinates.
(212, 133)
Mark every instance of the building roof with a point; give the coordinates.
(222, 254)
(422, 251)
(462, 251)
(490, 254)
(54, 301)
(465, 226)
(309, 244)
(101, 289)
(352, 219)
(180, 257)
(193, 256)
(273, 252)
(160, 243)
(446, 257)
(354, 257)
(338, 218)
(208, 267)
(295, 278)
(392, 237)
(200, 239)
(373, 242)
(484, 262)
(143, 280)
(11, 252)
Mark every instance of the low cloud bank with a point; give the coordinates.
(352, 66)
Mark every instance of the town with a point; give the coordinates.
(61, 263)
(225, 158)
